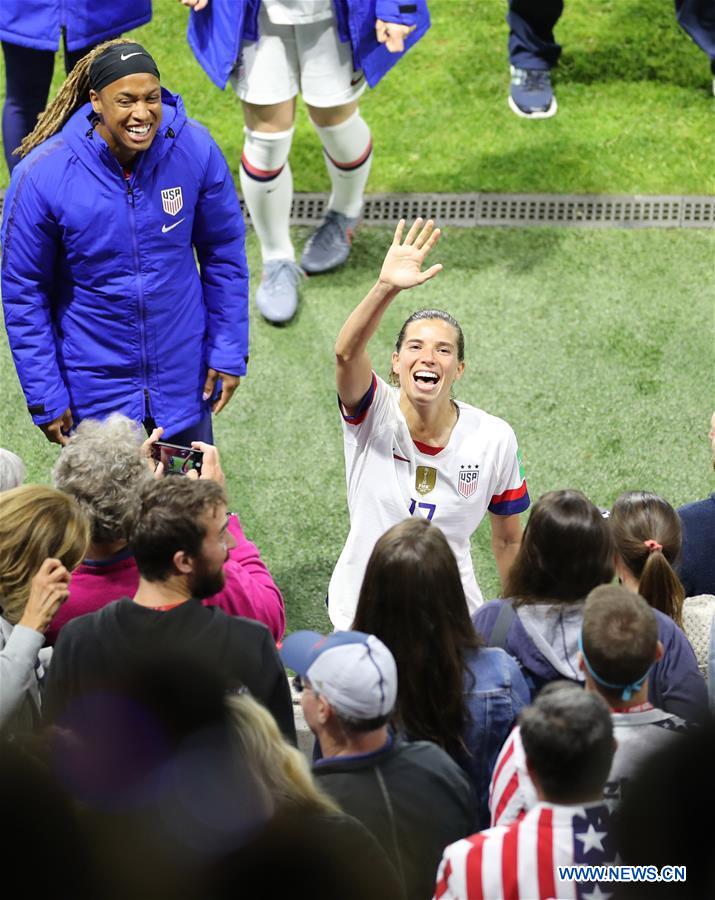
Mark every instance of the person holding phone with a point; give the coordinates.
(411, 450)
(105, 308)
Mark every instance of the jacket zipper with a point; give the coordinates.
(140, 290)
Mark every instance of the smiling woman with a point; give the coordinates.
(412, 450)
(105, 308)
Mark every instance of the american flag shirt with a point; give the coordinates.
(521, 861)
(638, 732)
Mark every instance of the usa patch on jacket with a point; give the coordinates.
(468, 480)
(172, 200)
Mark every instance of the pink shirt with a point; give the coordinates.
(249, 590)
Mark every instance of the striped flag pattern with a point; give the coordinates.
(511, 791)
(520, 861)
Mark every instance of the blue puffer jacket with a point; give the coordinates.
(38, 23)
(215, 33)
(104, 306)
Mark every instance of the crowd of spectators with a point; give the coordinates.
(145, 694)
(148, 741)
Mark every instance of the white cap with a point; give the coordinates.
(355, 672)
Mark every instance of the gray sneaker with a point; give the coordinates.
(531, 95)
(277, 294)
(329, 245)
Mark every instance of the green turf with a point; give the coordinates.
(597, 346)
(635, 106)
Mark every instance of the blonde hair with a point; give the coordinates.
(282, 769)
(36, 522)
(73, 93)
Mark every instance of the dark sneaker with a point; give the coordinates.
(277, 294)
(329, 245)
(531, 95)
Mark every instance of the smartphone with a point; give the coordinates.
(177, 460)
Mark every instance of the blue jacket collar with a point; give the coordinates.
(90, 148)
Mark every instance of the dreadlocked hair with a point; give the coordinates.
(73, 93)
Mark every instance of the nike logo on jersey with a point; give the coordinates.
(357, 80)
(124, 56)
(165, 228)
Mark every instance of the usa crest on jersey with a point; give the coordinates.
(172, 200)
(468, 480)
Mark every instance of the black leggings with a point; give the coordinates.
(28, 75)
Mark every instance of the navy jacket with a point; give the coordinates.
(215, 33)
(697, 557)
(675, 683)
(105, 308)
(38, 23)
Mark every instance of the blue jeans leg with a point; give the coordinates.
(697, 18)
(531, 33)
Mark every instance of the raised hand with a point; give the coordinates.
(48, 590)
(402, 267)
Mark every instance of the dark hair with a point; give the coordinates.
(353, 726)
(419, 316)
(640, 516)
(650, 827)
(167, 518)
(620, 636)
(568, 739)
(413, 600)
(565, 552)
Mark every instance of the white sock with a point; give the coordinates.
(348, 156)
(267, 185)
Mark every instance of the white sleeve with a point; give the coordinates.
(372, 413)
(17, 668)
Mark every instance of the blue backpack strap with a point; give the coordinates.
(497, 637)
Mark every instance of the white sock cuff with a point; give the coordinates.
(265, 153)
(347, 145)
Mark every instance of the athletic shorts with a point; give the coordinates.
(290, 59)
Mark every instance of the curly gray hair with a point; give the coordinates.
(103, 467)
(12, 470)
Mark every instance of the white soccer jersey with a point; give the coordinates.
(521, 861)
(298, 12)
(638, 733)
(390, 477)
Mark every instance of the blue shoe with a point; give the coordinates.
(329, 245)
(277, 294)
(531, 95)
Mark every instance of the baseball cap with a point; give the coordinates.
(354, 671)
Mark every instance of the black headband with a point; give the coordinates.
(120, 60)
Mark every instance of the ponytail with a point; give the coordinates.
(73, 93)
(661, 587)
(647, 535)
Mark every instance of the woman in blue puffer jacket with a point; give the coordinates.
(30, 34)
(105, 308)
(326, 50)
